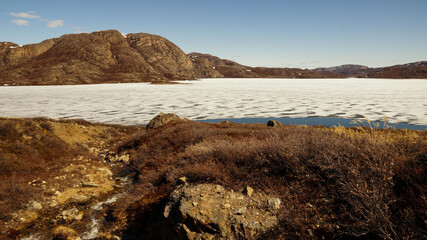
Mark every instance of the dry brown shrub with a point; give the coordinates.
(339, 183)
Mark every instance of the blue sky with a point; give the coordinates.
(275, 33)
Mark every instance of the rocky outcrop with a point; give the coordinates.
(207, 211)
(12, 54)
(162, 119)
(98, 57)
(164, 56)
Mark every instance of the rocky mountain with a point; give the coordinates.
(208, 66)
(111, 57)
(98, 57)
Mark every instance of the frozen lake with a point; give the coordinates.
(137, 103)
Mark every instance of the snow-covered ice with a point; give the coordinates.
(137, 103)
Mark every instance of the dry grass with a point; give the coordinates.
(336, 183)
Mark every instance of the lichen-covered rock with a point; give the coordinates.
(72, 214)
(78, 199)
(209, 211)
(162, 119)
(65, 233)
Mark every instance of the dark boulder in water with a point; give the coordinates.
(273, 123)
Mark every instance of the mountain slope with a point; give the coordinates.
(99, 57)
(410, 70)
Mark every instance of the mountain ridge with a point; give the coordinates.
(111, 57)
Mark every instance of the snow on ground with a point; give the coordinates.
(137, 103)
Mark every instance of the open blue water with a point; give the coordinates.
(323, 121)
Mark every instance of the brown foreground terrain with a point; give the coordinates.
(192, 180)
(110, 57)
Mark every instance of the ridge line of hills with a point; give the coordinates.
(110, 57)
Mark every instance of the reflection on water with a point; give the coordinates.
(400, 100)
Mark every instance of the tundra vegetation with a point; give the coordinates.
(333, 183)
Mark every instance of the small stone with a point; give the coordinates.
(195, 204)
(34, 205)
(226, 206)
(78, 199)
(107, 172)
(274, 203)
(89, 184)
(72, 214)
(248, 191)
(53, 204)
(182, 180)
(240, 211)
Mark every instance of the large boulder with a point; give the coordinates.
(207, 211)
(162, 119)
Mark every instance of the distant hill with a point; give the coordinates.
(110, 57)
(208, 66)
(348, 70)
(410, 70)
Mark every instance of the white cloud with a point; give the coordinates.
(55, 23)
(20, 22)
(29, 15)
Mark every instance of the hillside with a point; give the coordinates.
(410, 70)
(98, 57)
(208, 66)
